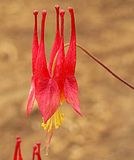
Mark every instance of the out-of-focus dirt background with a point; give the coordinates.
(106, 132)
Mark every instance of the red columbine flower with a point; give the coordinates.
(53, 84)
(70, 83)
(36, 152)
(35, 46)
(17, 152)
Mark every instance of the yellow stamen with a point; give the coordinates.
(54, 122)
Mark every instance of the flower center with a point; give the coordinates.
(54, 122)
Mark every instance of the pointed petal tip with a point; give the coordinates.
(57, 7)
(62, 12)
(44, 12)
(45, 119)
(78, 111)
(35, 12)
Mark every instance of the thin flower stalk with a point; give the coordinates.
(103, 65)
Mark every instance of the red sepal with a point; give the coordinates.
(47, 95)
(41, 71)
(71, 93)
(59, 72)
(56, 44)
(70, 83)
(70, 62)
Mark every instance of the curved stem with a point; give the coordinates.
(103, 65)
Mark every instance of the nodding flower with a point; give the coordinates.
(55, 83)
(36, 152)
(17, 152)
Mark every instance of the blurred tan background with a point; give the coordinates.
(106, 132)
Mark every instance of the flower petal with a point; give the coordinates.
(41, 71)
(71, 93)
(70, 84)
(47, 95)
(31, 98)
(59, 64)
(56, 44)
(35, 45)
(70, 62)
